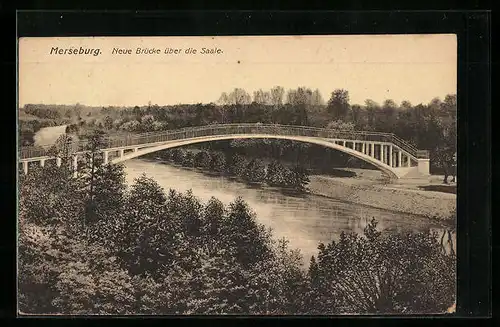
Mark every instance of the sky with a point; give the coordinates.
(416, 68)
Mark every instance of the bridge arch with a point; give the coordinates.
(392, 172)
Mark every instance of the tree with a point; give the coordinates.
(363, 275)
(191, 211)
(49, 195)
(435, 104)
(64, 149)
(389, 115)
(274, 174)
(255, 171)
(445, 158)
(340, 125)
(131, 126)
(188, 160)
(301, 96)
(358, 117)
(78, 110)
(287, 280)
(239, 97)
(137, 112)
(372, 110)
(250, 239)
(88, 169)
(262, 97)
(177, 155)
(108, 122)
(317, 98)
(213, 214)
(301, 178)
(235, 165)
(217, 162)
(277, 94)
(338, 105)
(108, 201)
(147, 123)
(449, 105)
(406, 105)
(223, 99)
(59, 273)
(145, 234)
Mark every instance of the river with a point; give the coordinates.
(304, 221)
(49, 135)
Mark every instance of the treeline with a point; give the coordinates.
(91, 245)
(252, 171)
(56, 112)
(430, 126)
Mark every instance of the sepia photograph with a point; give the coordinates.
(237, 175)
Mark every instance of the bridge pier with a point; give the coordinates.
(106, 157)
(423, 166)
(75, 165)
(408, 161)
(121, 153)
(363, 148)
(25, 167)
(58, 162)
(399, 158)
(382, 152)
(391, 157)
(42, 162)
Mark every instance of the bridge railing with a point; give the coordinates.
(234, 129)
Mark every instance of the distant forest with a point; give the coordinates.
(430, 126)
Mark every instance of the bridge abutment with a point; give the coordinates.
(424, 167)
(391, 157)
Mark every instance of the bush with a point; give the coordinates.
(383, 273)
(202, 159)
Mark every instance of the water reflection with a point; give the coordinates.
(304, 220)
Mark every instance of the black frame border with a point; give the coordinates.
(473, 29)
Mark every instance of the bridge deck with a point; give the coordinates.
(234, 129)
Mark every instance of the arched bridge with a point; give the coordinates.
(386, 151)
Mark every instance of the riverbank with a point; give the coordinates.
(394, 197)
(368, 188)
